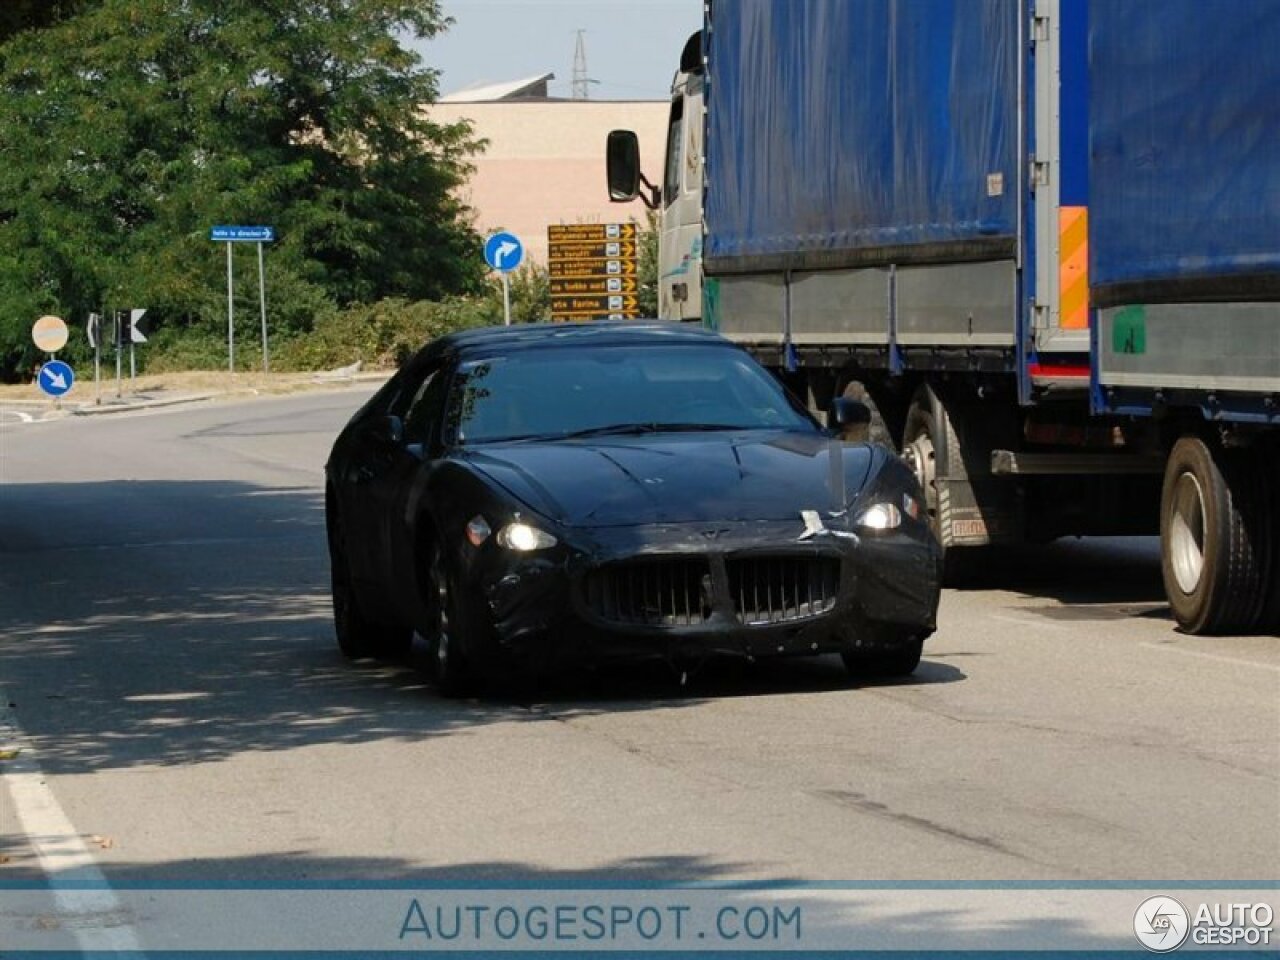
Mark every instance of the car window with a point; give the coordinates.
(426, 408)
(553, 392)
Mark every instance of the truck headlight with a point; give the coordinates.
(524, 538)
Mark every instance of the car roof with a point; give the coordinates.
(613, 333)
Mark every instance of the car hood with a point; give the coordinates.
(678, 478)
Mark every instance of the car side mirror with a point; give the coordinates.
(851, 418)
(393, 429)
(622, 158)
(848, 412)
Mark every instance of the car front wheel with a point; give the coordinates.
(892, 655)
(358, 637)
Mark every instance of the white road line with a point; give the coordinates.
(86, 904)
(1234, 661)
(22, 417)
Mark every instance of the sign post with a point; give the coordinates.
(55, 378)
(233, 235)
(503, 252)
(593, 271)
(93, 329)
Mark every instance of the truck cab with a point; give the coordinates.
(679, 199)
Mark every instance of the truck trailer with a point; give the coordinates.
(1039, 239)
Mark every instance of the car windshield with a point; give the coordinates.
(562, 393)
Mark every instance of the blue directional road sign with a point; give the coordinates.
(56, 378)
(503, 252)
(243, 234)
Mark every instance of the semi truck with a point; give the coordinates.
(1038, 239)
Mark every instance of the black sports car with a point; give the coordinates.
(528, 494)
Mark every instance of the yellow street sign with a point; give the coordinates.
(589, 285)
(591, 231)
(590, 250)
(585, 268)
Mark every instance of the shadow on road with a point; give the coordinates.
(1093, 579)
(167, 623)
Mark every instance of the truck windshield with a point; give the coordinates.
(558, 393)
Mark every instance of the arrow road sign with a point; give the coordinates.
(56, 378)
(503, 252)
(93, 328)
(577, 269)
(599, 305)
(591, 231)
(243, 234)
(609, 249)
(135, 335)
(590, 285)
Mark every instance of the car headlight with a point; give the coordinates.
(524, 538)
(880, 517)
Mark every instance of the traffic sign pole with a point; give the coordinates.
(503, 252)
(119, 335)
(262, 299)
(231, 314)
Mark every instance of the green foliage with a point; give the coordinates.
(382, 334)
(130, 128)
(647, 265)
(530, 294)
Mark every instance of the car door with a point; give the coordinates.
(401, 472)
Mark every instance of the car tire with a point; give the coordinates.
(358, 637)
(900, 659)
(458, 637)
(1216, 539)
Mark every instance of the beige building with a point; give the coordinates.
(545, 161)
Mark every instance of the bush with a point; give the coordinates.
(383, 334)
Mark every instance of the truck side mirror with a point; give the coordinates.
(622, 156)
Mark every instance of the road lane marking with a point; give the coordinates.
(22, 417)
(86, 903)
(1217, 658)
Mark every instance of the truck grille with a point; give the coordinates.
(781, 589)
(651, 593)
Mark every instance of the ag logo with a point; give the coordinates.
(1161, 924)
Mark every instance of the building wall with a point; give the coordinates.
(545, 162)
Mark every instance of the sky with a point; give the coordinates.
(633, 46)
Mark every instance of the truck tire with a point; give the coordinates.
(1217, 540)
(929, 445)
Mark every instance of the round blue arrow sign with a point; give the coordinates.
(503, 252)
(56, 378)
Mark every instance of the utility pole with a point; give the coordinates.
(581, 83)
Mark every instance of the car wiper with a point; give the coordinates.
(635, 429)
(619, 430)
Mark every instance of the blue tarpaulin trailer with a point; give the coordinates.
(1040, 240)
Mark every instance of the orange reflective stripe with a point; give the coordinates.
(1073, 267)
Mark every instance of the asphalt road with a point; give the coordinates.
(171, 680)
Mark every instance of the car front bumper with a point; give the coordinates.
(686, 592)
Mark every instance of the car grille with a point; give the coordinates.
(781, 589)
(651, 593)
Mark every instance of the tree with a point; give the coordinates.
(19, 15)
(647, 267)
(130, 128)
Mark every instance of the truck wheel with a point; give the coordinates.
(930, 449)
(1216, 538)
